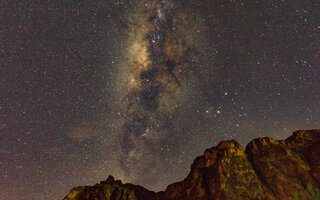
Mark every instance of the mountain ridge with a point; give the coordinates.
(266, 169)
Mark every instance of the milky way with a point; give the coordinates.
(138, 89)
(157, 71)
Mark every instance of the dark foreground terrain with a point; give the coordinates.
(266, 169)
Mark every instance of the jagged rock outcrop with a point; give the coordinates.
(110, 189)
(266, 170)
(223, 172)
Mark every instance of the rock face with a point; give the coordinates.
(266, 170)
(287, 166)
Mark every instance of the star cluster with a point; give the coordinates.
(138, 89)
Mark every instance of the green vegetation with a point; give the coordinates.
(312, 193)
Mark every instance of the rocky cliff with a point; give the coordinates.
(266, 170)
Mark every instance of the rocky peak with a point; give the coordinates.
(110, 180)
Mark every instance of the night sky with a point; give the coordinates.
(139, 88)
